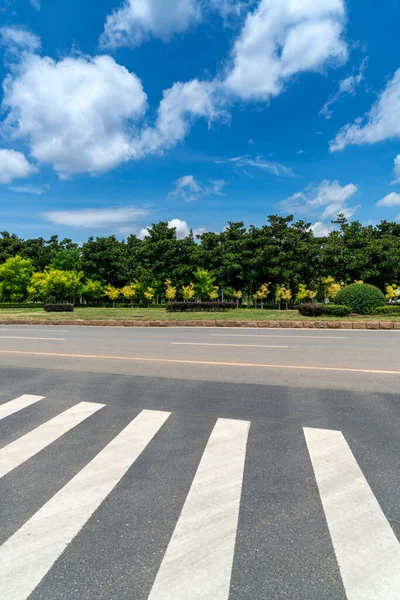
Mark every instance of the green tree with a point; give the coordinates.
(66, 260)
(15, 276)
(105, 259)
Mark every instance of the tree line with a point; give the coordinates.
(283, 254)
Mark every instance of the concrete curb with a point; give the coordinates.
(371, 325)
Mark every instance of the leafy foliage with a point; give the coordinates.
(200, 306)
(361, 298)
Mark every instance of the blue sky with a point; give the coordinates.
(116, 114)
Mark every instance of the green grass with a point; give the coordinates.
(160, 314)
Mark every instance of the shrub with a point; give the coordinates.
(362, 298)
(58, 307)
(337, 310)
(388, 310)
(311, 309)
(21, 305)
(200, 306)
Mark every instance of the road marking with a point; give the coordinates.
(225, 345)
(199, 362)
(198, 561)
(19, 337)
(28, 445)
(293, 337)
(27, 556)
(366, 547)
(27, 329)
(9, 408)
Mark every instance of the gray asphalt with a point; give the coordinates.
(283, 546)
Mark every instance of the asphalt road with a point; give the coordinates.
(189, 464)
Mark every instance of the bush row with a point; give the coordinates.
(312, 309)
(21, 305)
(200, 306)
(58, 307)
(388, 310)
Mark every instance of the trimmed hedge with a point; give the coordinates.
(362, 298)
(311, 309)
(337, 310)
(21, 305)
(58, 307)
(200, 306)
(389, 310)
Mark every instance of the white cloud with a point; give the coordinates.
(16, 39)
(216, 186)
(182, 228)
(180, 106)
(397, 169)
(265, 165)
(382, 122)
(13, 165)
(320, 229)
(326, 200)
(138, 20)
(347, 86)
(392, 199)
(94, 217)
(187, 188)
(301, 152)
(36, 4)
(76, 113)
(29, 189)
(282, 38)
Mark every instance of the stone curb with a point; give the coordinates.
(371, 325)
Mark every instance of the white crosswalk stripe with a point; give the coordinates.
(367, 550)
(28, 555)
(198, 551)
(28, 445)
(9, 408)
(198, 561)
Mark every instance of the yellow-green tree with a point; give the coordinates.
(188, 292)
(56, 285)
(93, 290)
(149, 295)
(214, 294)
(262, 294)
(129, 292)
(238, 295)
(112, 293)
(15, 277)
(170, 290)
(283, 293)
(331, 287)
(305, 294)
(392, 291)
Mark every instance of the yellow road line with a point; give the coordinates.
(200, 362)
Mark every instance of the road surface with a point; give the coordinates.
(188, 464)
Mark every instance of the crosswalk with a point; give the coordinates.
(197, 562)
